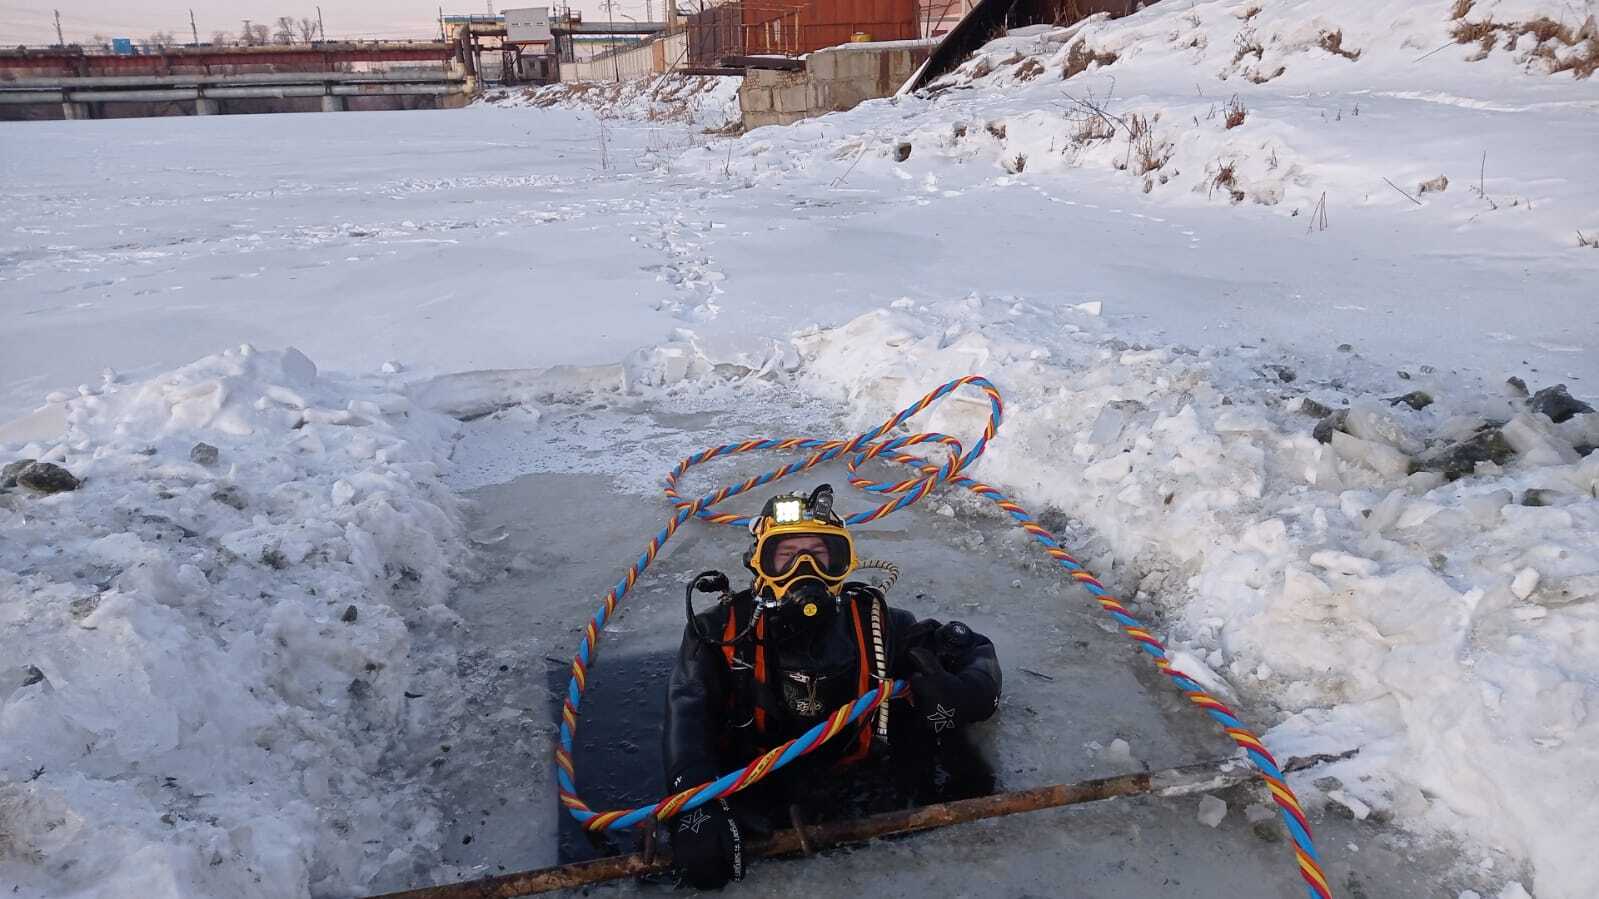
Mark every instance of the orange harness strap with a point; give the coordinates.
(863, 666)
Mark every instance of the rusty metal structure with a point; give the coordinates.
(319, 57)
(747, 28)
(989, 19)
(1187, 780)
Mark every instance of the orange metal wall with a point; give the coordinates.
(826, 23)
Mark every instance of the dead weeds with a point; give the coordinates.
(1081, 57)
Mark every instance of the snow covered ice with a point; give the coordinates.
(1300, 418)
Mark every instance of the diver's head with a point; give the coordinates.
(802, 552)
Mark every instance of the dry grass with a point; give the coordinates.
(1333, 42)
(1590, 242)
(1016, 164)
(1236, 113)
(997, 129)
(1247, 42)
(1081, 56)
(1550, 35)
(1461, 8)
(1029, 69)
(1259, 76)
(1226, 179)
(1091, 128)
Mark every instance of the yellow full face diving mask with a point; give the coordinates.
(799, 539)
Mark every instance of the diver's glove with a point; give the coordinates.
(946, 700)
(707, 846)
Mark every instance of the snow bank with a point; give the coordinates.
(706, 101)
(1446, 628)
(1302, 106)
(205, 654)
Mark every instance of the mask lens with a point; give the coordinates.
(829, 555)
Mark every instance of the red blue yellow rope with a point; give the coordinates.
(859, 449)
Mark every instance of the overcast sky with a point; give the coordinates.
(34, 23)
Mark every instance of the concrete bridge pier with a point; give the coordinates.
(75, 111)
(206, 106)
(332, 103)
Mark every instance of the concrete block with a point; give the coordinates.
(793, 98)
(822, 65)
(204, 106)
(332, 103)
(755, 99)
(76, 111)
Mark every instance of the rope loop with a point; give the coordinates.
(862, 448)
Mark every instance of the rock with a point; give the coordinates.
(1556, 403)
(204, 454)
(1268, 831)
(1415, 399)
(1517, 386)
(360, 689)
(1433, 185)
(902, 151)
(1211, 810)
(1538, 496)
(392, 368)
(47, 477)
(1346, 348)
(229, 496)
(1308, 406)
(350, 614)
(1459, 459)
(8, 475)
(1282, 372)
(31, 675)
(1331, 423)
(1525, 581)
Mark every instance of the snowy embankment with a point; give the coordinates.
(1415, 577)
(706, 101)
(1477, 114)
(214, 641)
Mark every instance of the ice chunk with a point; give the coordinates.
(1120, 755)
(1211, 810)
(1379, 457)
(1359, 809)
(1343, 563)
(1536, 444)
(297, 367)
(1514, 890)
(1525, 582)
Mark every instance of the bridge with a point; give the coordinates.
(206, 76)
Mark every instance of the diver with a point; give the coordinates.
(769, 662)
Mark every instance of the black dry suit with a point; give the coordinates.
(776, 679)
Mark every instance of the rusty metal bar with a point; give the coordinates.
(1182, 781)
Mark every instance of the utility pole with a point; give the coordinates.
(193, 29)
(60, 41)
(321, 31)
(442, 38)
(616, 64)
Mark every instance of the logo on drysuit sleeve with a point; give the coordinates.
(942, 719)
(694, 821)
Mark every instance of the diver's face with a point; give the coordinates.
(789, 548)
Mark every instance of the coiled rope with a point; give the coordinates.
(860, 449)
